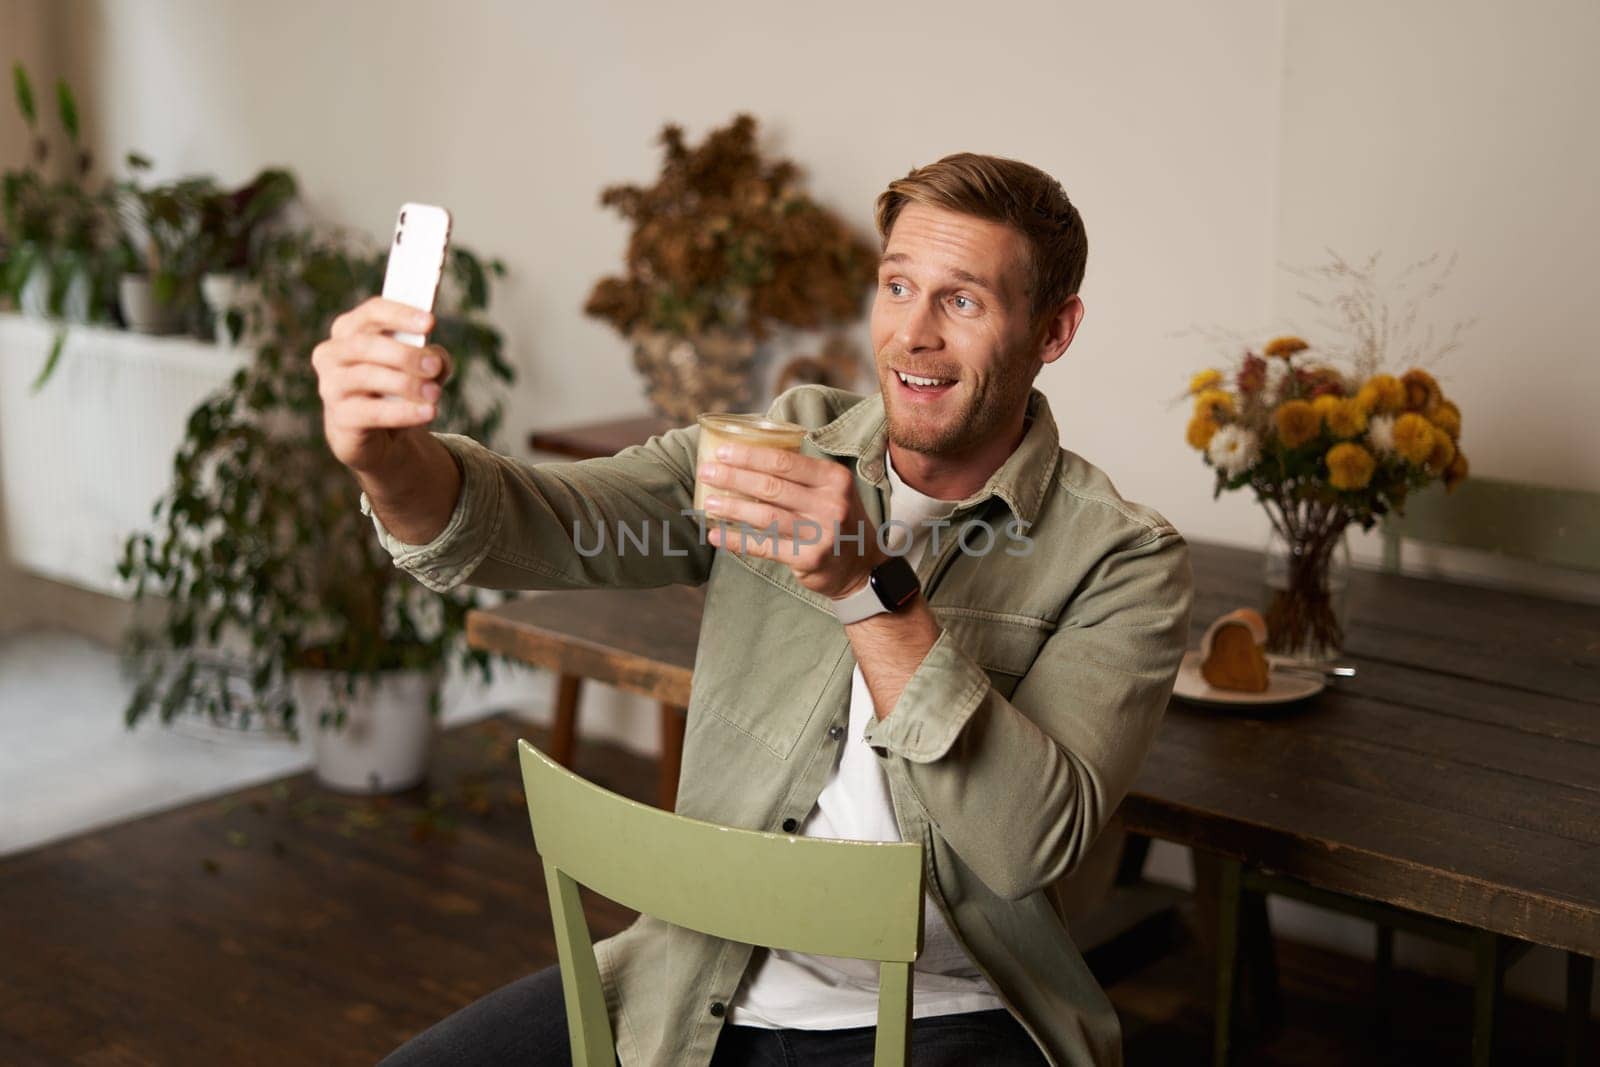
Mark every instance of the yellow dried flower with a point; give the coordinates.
(1422, 392)
(1448, 418)
(1350, 466)
(1383, 394)
(1324, 404)
(1347, 419)
(1284, 347)
(1456, 472)
(1413, 438)
(1204, 380)
(1297, 422)
(1214, 403)
(1201, 429)
(1444, 452)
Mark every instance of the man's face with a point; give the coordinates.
(952, 305)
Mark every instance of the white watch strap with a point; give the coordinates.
(862, 604)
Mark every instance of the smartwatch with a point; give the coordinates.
(890, 587)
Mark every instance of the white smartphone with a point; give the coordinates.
(416, 260)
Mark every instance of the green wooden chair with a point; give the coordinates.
(859, 899)
(1538, 524)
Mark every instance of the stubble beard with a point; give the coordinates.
(983, 412)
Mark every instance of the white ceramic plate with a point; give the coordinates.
(1282, 687)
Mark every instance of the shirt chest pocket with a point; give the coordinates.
(1005, 646)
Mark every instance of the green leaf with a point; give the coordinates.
(67, 104)
(50, 362)
(24, 93)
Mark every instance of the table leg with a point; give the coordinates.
(1228, 903)
(1383, 979)
(672, 724)
(1580, 987)
(1489, 957)
(564, 730)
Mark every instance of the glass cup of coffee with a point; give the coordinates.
(758, 430)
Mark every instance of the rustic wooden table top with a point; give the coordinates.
(593, 439)
(1457, 774)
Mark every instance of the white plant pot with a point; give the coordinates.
(34, 300)
(143, 312)
(227, 292)
(384, 743)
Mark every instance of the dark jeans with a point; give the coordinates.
(526, 1023)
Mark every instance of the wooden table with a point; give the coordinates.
(593, 439)
(639, 640)
(1458, 774)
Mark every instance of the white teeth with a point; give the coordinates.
(911, 379)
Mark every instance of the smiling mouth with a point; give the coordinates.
(919, 384)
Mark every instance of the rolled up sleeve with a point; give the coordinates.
(1021, 787)
(519, 525)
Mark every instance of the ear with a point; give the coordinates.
(1057, 331)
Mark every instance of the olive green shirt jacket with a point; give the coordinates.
(1009, 749)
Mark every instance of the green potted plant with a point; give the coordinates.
(280, 605)
(725, 248)
(159, 288)
(60, 249)
(232, 226)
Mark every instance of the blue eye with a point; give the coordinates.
(895, 289)
(962, 303)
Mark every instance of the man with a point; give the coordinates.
(984, 678)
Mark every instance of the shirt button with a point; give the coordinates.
(717, 1010)
(789, 827)
(835, 732)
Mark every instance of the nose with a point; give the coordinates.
(919, 329)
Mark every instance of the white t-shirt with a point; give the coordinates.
(793, 990)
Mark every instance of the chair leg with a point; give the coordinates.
(1489, 954)
(672, 725)
(1228, 914)
(1580, 988)
(1383, 978)
(1130, 868)
(564, 731)
(1260, 960)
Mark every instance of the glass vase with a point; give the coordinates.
(1307, 596)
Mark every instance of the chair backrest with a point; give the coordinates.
(1537, 523)
(860, 899)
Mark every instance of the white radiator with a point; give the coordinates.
(83, 460)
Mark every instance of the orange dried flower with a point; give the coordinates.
(1347, 417)
(1456, 472)
(1284, 347)
(1382, 395)
(1413, 438)
(1297, 422)
(1444, 452)
(1422, 392)
(1202, 429)
(1448, 418)
(1214, 404)
(1350, 466)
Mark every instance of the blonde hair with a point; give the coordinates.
(1015, 194)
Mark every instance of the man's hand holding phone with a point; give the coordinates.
(378, 397)
(375, 389)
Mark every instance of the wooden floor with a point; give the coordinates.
(290, 925)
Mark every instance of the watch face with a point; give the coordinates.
(895, 582)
